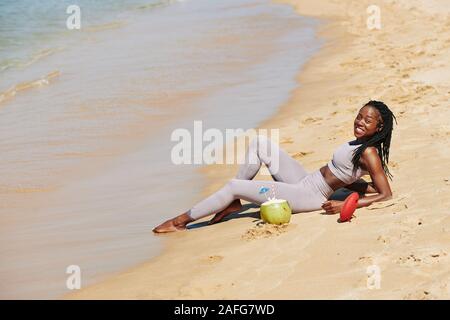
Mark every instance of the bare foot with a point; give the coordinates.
(167, 226)
(233, 207)
(176, 224)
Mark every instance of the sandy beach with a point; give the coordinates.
(406, 64)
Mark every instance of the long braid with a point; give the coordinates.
(381, 140)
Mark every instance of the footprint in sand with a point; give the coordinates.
(419, 295)
(212, 259)
(394, 65)
(287, 140)
(402, 99)
(312, 120)
(400, 113)
(441, 131)
(409, 260)
(425, 89)
(384, 239)
(426, 257)
(402, 233)
(394, 164)
(365, 260)
(301, 154)
(409, 69)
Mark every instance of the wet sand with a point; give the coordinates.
(86, 126)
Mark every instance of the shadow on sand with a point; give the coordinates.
(235, 215)
(340, 195)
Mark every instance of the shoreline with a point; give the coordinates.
(95, 181)
(410, 243)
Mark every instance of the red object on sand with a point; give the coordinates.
(349, 207)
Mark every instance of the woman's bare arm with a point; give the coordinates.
(379, 184)
(372, 162)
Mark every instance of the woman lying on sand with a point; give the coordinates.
(367, 154)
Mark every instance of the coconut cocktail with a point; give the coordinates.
(276, 211)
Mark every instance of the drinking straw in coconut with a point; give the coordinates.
(264, 190)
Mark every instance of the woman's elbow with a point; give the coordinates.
(386, 196)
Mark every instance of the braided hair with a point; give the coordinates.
(381, 139)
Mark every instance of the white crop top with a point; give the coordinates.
(341, 165)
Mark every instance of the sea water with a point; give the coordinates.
(86, 118)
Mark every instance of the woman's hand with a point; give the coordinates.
(332, 206)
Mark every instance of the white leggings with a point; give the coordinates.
(304, 191)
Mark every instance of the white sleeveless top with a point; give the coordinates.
(341, 165)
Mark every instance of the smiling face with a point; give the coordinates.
(367, 123)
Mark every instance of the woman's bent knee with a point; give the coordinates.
(232, 184)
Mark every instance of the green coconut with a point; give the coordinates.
(276, 211)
